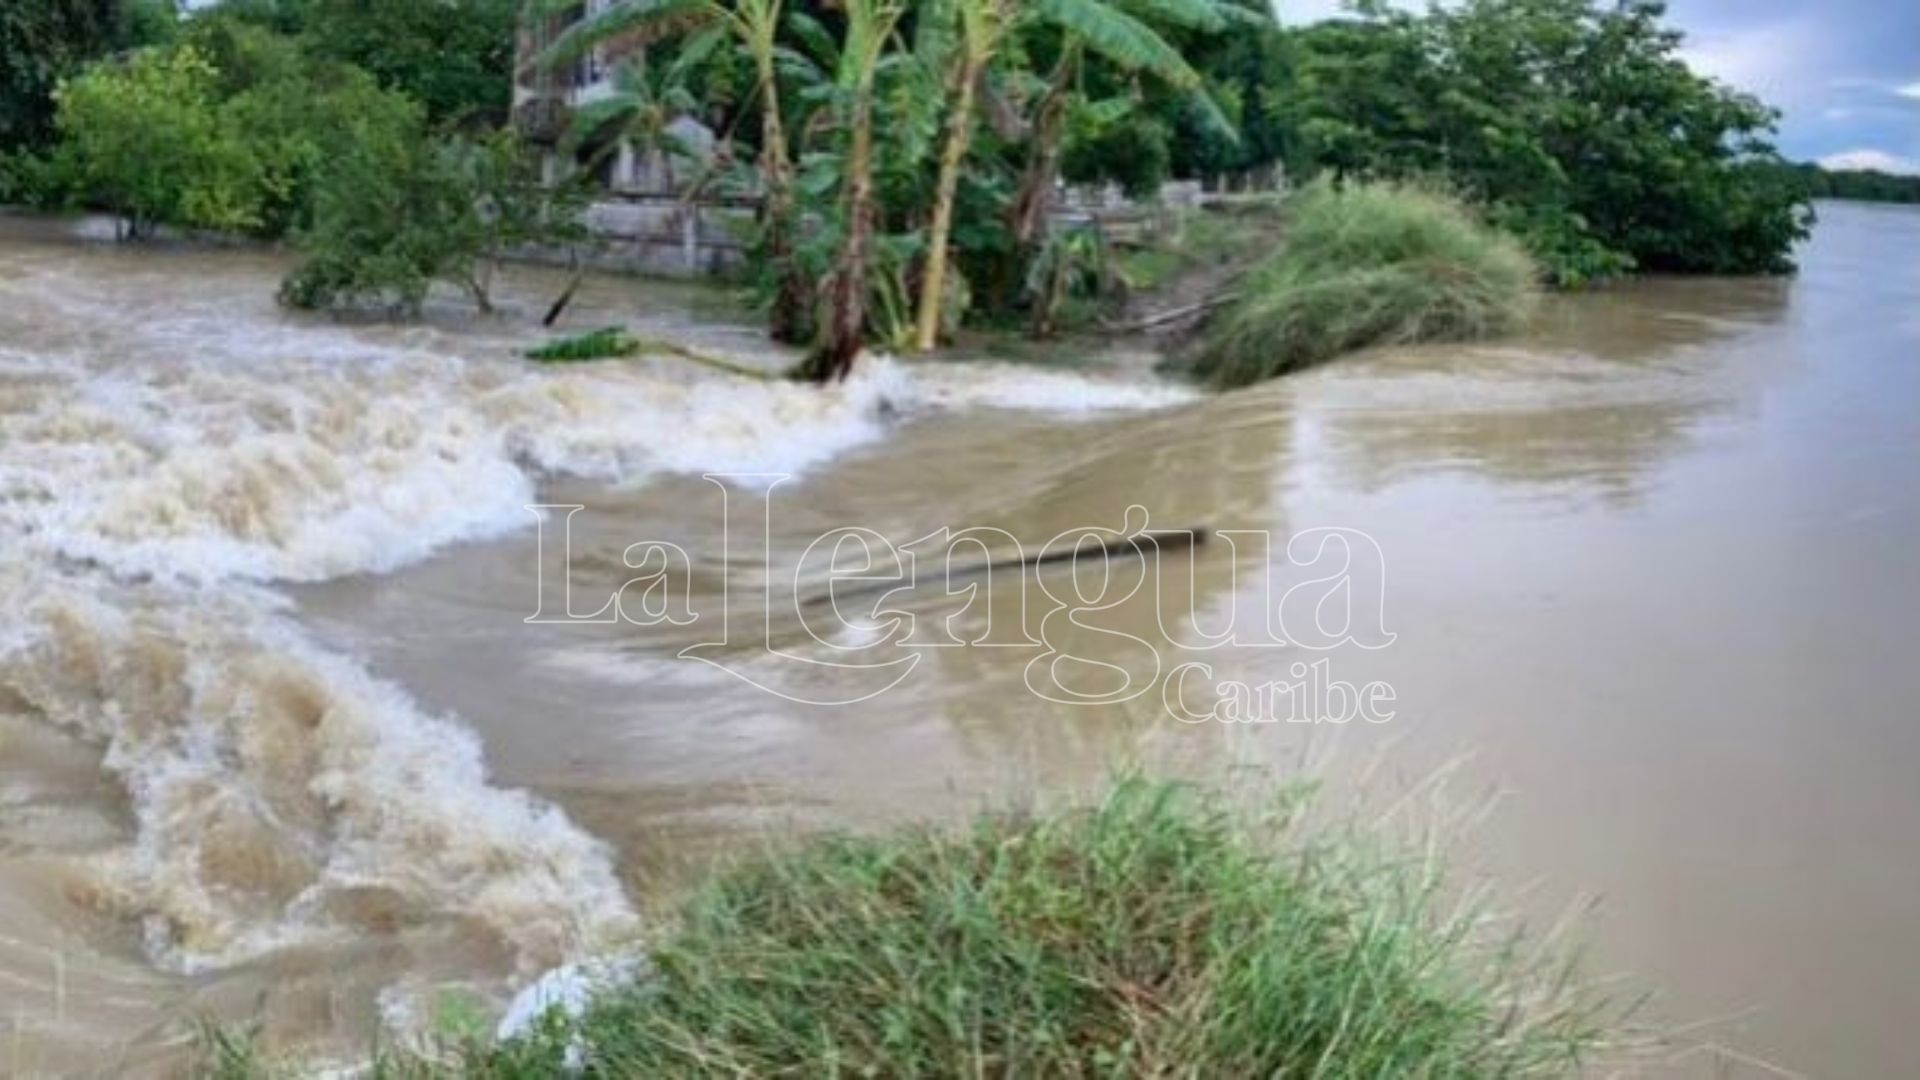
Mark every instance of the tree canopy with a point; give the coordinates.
(905, 154)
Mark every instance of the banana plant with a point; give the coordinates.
(869, 26)
(982, 26)
(1117, 31)
(1121, 33)
(640, 112)
(755, 25)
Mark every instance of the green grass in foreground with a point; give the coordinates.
(1160, 931)
(1368, 264)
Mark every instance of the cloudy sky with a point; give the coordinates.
(1846, 72)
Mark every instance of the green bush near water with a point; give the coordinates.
(1161, 930)
(1368, 264)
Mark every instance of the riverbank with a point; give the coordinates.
(1161, 928)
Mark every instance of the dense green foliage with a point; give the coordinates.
(395, 212)
(44, 41)
(907, 154)
(226, 129)
(454, 57)
(1368, 264)
(258, 117)
(1577, 123)
(1866, 185)
(1572, 123)
(1158, 932)
(145, 140)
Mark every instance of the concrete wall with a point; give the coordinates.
(662, 236)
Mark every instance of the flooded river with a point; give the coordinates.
(306, 717)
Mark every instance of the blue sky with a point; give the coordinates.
(1845, 72)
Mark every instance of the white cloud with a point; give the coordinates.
(1782, 61)
(1877, 160)
(1302, 12)
(1911, 90)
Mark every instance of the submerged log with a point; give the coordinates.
(1140, 544)
(719, 363)
(560, 302)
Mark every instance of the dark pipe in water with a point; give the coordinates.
(1137, 544)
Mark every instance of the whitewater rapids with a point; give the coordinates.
(169, 467)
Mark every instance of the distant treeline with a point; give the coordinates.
(1866, 185)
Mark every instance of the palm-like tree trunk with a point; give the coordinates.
(846, 300)
(789, 321)
(933, 282)
(1028, 216)
(869, 23)
(981, 22)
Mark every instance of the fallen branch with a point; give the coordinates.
(566, 296)
(732, 367)
(1178, 314)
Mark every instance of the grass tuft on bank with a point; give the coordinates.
(1368, 264)
(1161, 930)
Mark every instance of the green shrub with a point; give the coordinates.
(228, 129)
(1368, 264)
(144, 139)
(395, 211)
(1159, 931)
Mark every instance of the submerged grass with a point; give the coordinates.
(1368, 264)
(1162, 930)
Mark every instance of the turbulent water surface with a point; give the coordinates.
(277, 739)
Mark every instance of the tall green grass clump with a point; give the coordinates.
(1158, 931)
(1368, 264)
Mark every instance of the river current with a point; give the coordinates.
(280, 741)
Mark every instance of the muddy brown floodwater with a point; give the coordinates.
(279, 741)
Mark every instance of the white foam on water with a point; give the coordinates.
(163, 468)
(623, 423)
(1013, 386)
(283, 795)
(348, 459)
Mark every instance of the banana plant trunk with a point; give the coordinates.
(933, 282)
(790, 320)
(846, 316)
(1035, 196)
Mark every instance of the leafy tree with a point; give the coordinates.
(226, 129)
(44, 41)
(292, 111)
(396, 212)
(454, 57)
(1576, 122)
(1106, 141)
(144, 139)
